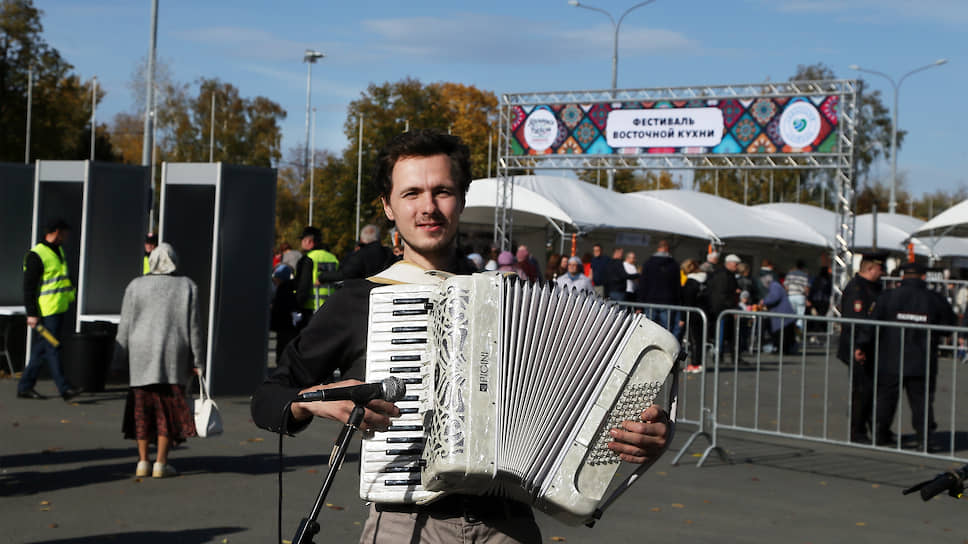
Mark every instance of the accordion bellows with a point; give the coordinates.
(512, 388)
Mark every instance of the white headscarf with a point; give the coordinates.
(162, 259)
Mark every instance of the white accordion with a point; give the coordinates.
(512, 388)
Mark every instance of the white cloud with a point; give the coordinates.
(250, 43)
(487, 39)
(878, 11)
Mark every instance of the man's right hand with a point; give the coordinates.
(377, 416)
(32, 321)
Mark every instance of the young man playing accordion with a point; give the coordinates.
(423, 177)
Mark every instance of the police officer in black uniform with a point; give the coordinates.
(911, 302)
(857, 302)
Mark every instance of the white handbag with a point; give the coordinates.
(208, 421)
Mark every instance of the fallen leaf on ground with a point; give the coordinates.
(860, 524)
(755, 479)
(312, 471)
(256, 440)
(656, 509)
(662, 473)
(688, 522)
(875, 486)
(65, 421)
(706, 501)
(823, 483)
(332, 506)
(44, 503)
(678, 505)
(558, 539)
(45, 509)
(53, 525)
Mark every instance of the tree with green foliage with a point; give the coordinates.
(61, 101)
(246, 130)
(386, 110)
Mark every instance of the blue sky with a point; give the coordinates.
(540, 45)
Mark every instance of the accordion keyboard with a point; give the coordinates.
(397, 340)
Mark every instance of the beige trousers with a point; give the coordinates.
(410, 528)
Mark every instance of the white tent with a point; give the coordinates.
(530, 210)
(588, 207)
(893, 230)
(951, 222)
(732, 221)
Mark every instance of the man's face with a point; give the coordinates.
(149, 247)
(731, 266)
(874, 272)
(597, 251)
(426, 203)
(307, 243)
(617, 254)
(630, 257)
(60, 236)
(572, 268)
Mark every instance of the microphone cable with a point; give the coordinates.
(285, 411)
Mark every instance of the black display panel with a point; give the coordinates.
(17, 196)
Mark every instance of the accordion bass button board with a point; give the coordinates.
(515, 386)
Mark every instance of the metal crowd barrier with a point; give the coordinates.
(689, 325)
(805, 392)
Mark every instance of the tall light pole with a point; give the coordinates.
(897, 89)
(312, 169)
(93, 112)
(615, 27)
(147, 141)
(309, 57)
(30, 103)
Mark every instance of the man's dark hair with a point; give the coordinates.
(55, 225)
(315, 233)
(423, 143)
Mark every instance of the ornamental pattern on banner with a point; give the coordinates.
(749, 126)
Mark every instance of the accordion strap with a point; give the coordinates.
(644, 467)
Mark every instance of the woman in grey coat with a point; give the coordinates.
(160, 341)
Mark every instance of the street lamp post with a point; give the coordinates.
(897, 89)
(616, 27)
(310, 58)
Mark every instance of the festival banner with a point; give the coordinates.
(767, 125)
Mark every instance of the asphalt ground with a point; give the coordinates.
(66, 476)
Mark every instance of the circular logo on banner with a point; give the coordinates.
(799, 124)
(541, 129)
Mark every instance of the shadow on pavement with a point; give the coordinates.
(187, 536)
(859, 466)
(57, 456)
(35, 482)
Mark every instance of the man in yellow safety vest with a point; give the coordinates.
(315, 274)
(151, 242)
(48, 293)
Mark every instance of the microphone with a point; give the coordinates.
(391, 390)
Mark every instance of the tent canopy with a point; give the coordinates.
(731, 220)
(951, 222)
(531, 210)
(589, 207)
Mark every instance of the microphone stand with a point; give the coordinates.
(308, 527)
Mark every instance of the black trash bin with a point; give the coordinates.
(86, 357)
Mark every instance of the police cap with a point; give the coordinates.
(913, 269)
(876, 258)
